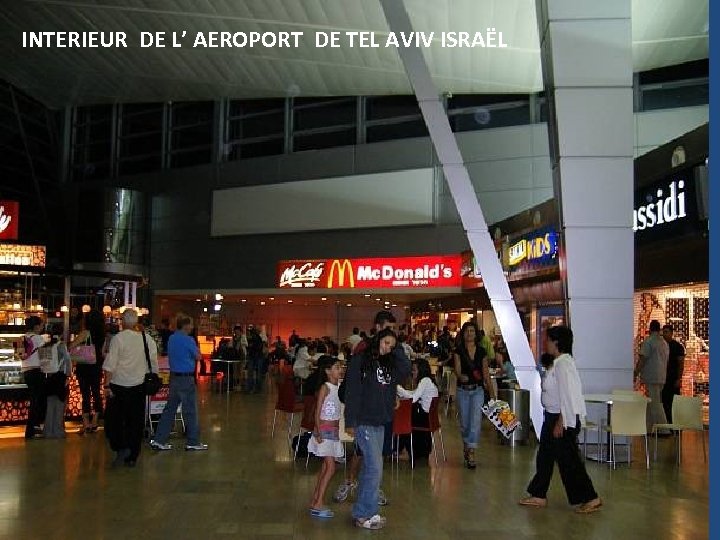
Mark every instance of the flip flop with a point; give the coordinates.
(324, 513)
(589, 507)
(535, 502)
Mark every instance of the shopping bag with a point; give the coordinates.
(500, 415)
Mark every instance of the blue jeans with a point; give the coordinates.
(182, 390)
(256, 371)
(470, 404)
(370, 440)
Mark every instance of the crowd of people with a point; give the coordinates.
(360, 380)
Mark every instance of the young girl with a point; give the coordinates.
(325, 442)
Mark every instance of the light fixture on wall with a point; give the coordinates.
(86, 309)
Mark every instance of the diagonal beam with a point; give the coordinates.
(469, 208)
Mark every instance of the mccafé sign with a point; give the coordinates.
(402, 272)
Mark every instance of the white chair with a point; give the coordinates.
(628, 420)
(687, 415)
(634, 393)
(593, 426)
(451, 388)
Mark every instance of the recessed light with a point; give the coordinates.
(217, 307)
(394, 305)
(366, 295)
(272, 298)
(218, 297)
(378, 299)
(323, 298)
(348, 305)
(198, 300)
(243, 300)
(290, 301)
(205, 310)
(262, 303)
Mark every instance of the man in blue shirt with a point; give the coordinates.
(183, 352)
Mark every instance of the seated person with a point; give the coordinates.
(422, 398)
(301, 367)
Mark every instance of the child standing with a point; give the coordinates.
(325, 442)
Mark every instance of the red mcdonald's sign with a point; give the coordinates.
(9, 217)
(387, 273)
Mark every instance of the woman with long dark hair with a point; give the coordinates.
(422, 398)
(371, 383)
(471, 367)
(564, 406)
(89, 375)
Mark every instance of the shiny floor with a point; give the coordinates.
(247, 486)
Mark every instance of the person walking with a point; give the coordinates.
(325, 442)
(652, 370)
(471, 367)
(675, 370)
(372, 379)
(33, 375)
(125, 368)
(562, 399)
(183, 352)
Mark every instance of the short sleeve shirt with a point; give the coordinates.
(182, 351)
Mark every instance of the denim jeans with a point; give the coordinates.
(470, 404)
(370, 440)
(256, 371)
(182, 390)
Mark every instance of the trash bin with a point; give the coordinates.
(519, 401)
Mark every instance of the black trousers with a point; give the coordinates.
(566, 452)
(668, 394)
(88, 376)
(35, 380)
(125, 419)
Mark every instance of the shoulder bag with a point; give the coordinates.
(152, 382)
(84, 354)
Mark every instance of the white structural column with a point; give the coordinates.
(586, 50)
(469, 208)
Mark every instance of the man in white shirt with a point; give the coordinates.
(652, 369)
(354, 338)
(125, 367)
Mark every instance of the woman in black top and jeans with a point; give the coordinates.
(89, 375)
(471, 367)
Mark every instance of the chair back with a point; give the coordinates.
(402, 421)
(629, 417)
(433, 416)
(687, 412)
(308, 418)
(286, 396)
(634, 393)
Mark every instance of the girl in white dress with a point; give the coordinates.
(325, 441)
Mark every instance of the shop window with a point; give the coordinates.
(701, 318)
(677, 313)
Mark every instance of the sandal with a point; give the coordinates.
(324, 513)
(590, 506)
(535, 502)
(470, 459)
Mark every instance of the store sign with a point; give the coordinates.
(664, 206)
(404, 272)
(9, 217)
(539, 248)
(20, 255)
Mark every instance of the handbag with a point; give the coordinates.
(84, 354)
(152, 382)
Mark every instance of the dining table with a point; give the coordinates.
(608, 400)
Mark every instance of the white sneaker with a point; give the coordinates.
(196, 447)
(159, 446)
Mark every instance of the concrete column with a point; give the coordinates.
(586, 49)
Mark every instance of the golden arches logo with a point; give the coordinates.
(341, 268)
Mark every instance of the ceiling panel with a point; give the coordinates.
(665, 32)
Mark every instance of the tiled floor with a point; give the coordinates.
(246, 486)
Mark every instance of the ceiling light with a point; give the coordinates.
(394, 305)
(204, 310)
(378, 299)
(323, 298)
(243, 300)
(348, 305)
(366, 295)
(217, 307)
(198, 300)
(272, 298)
(290, 301)
(262, 303)
(218, 297)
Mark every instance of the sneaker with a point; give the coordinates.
(372, 523)
(382, 499)
(343, 491)
(196, 447)
(160, 447)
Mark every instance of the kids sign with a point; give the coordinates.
(392, 273)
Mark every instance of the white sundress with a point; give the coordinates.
(330, 411)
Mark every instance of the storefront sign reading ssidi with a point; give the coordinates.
(404, 272)
(9, 217)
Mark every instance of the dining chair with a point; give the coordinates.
(307, 423)
(687, 415)
(433, 427)
(286, 403)
(402, 425)
(629, 420)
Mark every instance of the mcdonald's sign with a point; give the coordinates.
(340, 270)
(389, 273)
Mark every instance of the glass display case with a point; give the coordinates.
(10, 364)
